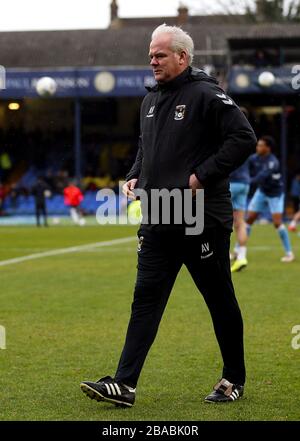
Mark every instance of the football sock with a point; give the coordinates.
(242, 253)
(236, 247)
(283, 234)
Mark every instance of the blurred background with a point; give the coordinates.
(82, 121)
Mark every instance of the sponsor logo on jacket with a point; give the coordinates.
(225, 99)
(150, 112)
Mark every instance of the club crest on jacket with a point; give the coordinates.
(179, 112)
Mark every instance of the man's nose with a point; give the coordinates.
(153, 61)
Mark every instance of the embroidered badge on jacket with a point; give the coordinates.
(179, 112)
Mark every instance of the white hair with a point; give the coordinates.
(180, 40)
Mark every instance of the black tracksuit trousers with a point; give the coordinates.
(160, 258)
(40, 210)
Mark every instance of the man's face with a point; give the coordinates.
(262, 148)
(165, 63)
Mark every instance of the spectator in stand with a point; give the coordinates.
(50, 181)
(2, 196)
(5, 165)
(40, 191)
(73, 198)
(61, 181)
(13, 195)
(260, 58)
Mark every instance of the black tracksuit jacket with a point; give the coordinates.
(189, 125)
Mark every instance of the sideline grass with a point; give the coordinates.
(66, 318)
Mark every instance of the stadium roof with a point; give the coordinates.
(216, 19)
(125, 46)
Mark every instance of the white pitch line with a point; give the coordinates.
(66, 250)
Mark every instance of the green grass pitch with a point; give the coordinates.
(66, 316)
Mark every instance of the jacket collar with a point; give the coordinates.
(175, 83)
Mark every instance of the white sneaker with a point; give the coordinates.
(288, 258)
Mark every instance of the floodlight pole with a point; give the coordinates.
(77, 139)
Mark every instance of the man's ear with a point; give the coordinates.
(183, 57)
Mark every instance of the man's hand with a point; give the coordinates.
(128, 188)
(194, 184)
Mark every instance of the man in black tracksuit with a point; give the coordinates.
(38, 191)
(192, 137)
